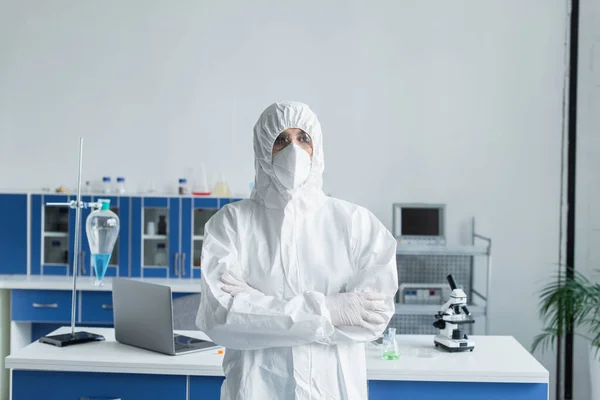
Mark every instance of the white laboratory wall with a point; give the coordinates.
(587, 224)
(455, 102)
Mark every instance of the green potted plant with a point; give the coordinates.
(576, 299)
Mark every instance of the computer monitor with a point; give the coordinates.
(418, 223)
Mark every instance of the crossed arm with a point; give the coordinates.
(237, 316)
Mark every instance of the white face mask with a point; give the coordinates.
(292, 166)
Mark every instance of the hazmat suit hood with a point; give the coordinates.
(268, 191)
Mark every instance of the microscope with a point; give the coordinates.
(453, 315)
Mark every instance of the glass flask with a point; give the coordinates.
(102, 228)
(390, 346)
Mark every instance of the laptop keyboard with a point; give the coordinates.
(183, 347)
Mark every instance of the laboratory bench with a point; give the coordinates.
(498, 368)
(40, 304)
(32, 306)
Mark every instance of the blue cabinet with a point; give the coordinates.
(195, 212)
(154, 236)
(205, 387)
(160, 237)
(52, 228)
(167, 235)
(40, 305)
(13, 237)
(58, 385)
(53, 235)
(96, 308)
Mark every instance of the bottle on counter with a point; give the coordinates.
(120, 185)
(106, 184)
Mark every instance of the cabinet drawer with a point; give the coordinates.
(41, 305)
(91, 385)
(205, 387)
(97, 307)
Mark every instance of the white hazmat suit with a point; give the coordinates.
(303, 262)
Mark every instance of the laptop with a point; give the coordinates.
(143, 317)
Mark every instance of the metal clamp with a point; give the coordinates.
(73, 204)
(51, 305)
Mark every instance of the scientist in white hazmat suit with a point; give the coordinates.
(295, 282)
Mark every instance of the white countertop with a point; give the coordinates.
(495, 359)
(52, 282)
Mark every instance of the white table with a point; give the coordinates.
(499, 368)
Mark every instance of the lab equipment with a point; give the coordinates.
(221, 188)
(106, 184)
(151, 228)
(57, 255)
(160, 256)
(287, 325)
(162, 225)
(102, 229)
(120, 185)
(390, 345)
(422, 293)
(150, 186)
(183, 189)
(201, 187)
(417, 223)
(449, 319)
(141, 307)
(81, 336)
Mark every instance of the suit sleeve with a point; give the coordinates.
(374, 253)
(252, 321)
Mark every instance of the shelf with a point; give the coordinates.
(56, 234)
(198, 237)
(155, 237)
(413, 249)
(432, 309)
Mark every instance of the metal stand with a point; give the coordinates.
(72, 338)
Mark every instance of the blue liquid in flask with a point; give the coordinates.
(100, 265)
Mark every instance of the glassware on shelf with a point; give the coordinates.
(201, 187)
(106, 184)
(151, 228)
(183, 187)
(162, 225)
(56, 253)
(120, 185)
(221, 188)
(102, 228)
(390, 345)
(87, 188)
(160, 256)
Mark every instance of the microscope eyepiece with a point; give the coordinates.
(451, 282)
